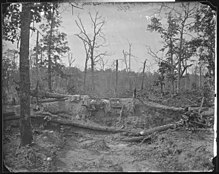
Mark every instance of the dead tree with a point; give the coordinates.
(103, 63)
(116, 90)
(94, 42)
(70, 59)
(130, 49)
(125, 60)
(128, 65)
(87, 51)
(49, 52)
(142, 82)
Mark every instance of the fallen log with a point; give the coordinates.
(56, 120)
(6, 114)
(208, 112)
(11, 118)
(160, 106)
(87, 126)
(157, 129)
(52, 100)
(136, 139)
(197, 108)
(199, 124)
(33, 93)
(199, 111)
(164, 107)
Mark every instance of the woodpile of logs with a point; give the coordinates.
(194, 119)
(191, 117)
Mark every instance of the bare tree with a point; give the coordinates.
(142, 82)
(49, 51)
(116, 89)
(70, 59)
(130, 54)
(128, 65)
(94, 42)
(87, 51)
(125, 60)
(103, 63)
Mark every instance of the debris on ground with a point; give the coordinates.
(154, 137)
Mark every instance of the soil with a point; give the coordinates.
(69, 149)
(83, 150)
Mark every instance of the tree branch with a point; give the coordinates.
(185, 67)
(75, 6)
(82, 29)
(153, 54)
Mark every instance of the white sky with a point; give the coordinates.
(122, 27)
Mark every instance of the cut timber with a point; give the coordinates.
(51, 100)
(87, 126)
(164, 107)
(6, 114)
(56, 120)
(208, 113)
(159, 106)
(157, 129)
(11, 118)
(42, 115)
(47, 94)
(199, 111)
(135, 139)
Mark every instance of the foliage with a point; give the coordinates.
(179, 46)
(57, 43)
(12, 21)
(168, 34)
(9, 72)
(204, 27)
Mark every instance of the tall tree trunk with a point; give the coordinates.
(37, 66)
(116, 89)
(130, 83)
(85, 74)
(172, 65)
(49, 54)
(161, 88)
(180, 53)
(125, 60)
(25, 124)
(142, 81)
(41, 57)
(85, 66)
(195, 72)
(186, 76)
(200, 75)
(15, 60)
(92, 73)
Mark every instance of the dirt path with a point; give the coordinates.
(99, 153)
(80, 150)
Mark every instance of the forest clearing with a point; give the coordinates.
(81, 99)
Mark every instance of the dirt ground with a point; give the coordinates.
(68, 149)
(85, 150)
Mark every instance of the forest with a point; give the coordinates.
(68, 93)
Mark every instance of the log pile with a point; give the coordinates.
(191, 118)
(195, 119)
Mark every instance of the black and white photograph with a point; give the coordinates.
(114, 86)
